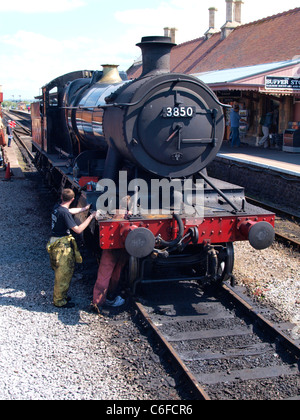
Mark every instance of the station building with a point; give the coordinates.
(256, 65)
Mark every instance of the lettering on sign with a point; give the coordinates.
(273, 82)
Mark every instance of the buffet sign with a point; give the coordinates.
(276, 82)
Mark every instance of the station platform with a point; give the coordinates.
(12, 155)
(271, 159)
(268, 175)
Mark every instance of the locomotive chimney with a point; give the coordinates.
(156, 51)
(110, 74)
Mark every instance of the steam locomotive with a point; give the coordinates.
(147, 141)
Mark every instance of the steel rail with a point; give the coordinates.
(248, 309)
(197, 388)
(272, 208)
(275, 332)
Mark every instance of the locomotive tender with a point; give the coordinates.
(109, 138)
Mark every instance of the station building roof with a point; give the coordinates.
(253, 77)
(273, 39)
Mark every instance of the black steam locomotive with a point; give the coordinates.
(147, 141)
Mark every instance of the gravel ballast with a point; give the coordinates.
(272, 277)
(52, 353)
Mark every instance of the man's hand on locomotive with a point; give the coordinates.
(124, 211)
(80, 209)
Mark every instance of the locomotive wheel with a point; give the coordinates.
(226, 263)
(133, 273)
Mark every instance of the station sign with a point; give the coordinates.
(277, 82)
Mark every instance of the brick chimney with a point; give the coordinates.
(231, 14)
(212, 17)
(173, 35)
(170, 32)
(211, 26)
(238, 11)
(229, 10)
(166, 31)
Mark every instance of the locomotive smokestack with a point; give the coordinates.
(156, 52)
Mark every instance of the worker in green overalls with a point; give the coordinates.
(62, 246)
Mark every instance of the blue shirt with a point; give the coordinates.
(268, 120)
(234, 119)
(62, 221)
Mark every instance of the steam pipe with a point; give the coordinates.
(162, 242)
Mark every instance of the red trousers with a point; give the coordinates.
(109, 271)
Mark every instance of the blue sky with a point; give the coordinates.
(40, 40)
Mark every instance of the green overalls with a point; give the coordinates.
(63, 254)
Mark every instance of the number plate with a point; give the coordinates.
(179, 112)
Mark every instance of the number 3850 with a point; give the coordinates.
(179, 111)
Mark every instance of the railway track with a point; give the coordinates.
(22, 133)
(23, 139)
(222, 345)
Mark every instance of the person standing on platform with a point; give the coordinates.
(9, 133)
(235, 126)
(266, 122)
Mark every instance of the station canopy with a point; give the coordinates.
(280, 78)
